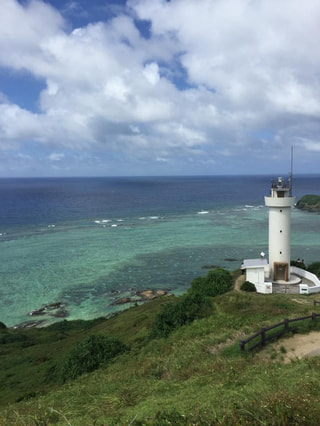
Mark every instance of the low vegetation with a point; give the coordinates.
(139, 368)
(217, 281)
(90, 354)
(248, 286)
(315, 268)
(310, 203)
(183, 311)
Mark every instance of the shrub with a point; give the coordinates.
(216, 282)
(314, 268)
(298, 263)
(174, 315)
(91, 354)
(248, 286)
(2, 325)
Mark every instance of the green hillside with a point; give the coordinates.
(196, 375)
(310, 203)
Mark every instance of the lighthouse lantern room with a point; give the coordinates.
(280, 202)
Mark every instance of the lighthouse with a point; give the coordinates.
(280, 203)
(278, 276)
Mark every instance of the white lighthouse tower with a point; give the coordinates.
(280, 202)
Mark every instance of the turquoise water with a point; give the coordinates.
(90, 265)
(89, 242)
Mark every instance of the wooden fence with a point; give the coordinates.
(284, 327)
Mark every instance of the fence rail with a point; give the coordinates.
(264, 338)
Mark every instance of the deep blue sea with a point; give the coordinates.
(86, 242)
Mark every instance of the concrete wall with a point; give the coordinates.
(309, 276)
(265, 288)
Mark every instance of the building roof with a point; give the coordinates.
(254, 263)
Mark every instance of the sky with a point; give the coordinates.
(158, 87)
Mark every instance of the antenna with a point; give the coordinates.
(291, 173)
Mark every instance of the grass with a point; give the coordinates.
(196, 375)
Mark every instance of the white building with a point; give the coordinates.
(257, 272)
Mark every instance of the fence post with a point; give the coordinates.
(263, 336)
(286, 324)
(242, 344)
(314, 316)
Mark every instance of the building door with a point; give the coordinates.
(281, 271)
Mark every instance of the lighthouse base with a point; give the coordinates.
(280, 271)
(293, 279)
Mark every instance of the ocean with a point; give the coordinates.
(87, 242)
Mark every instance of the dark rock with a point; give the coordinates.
(2, 325)
(40, 311)
(29, 324)
(123, 301)
(52, 309)
(144, 296)
(53, 306)
(210, 267)
(61, 313)
(151, 294)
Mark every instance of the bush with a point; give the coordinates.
(216, 282)
(314, 268)
(298, 263)
(248, 286)
(91, 354)
(174, 315)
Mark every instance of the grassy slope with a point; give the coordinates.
(198, 371)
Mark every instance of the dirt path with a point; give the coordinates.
(240, 280)
(296, 347)
(288, 349)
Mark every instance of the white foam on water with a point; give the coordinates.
(153, 217)
(114, 225)
(203, 212)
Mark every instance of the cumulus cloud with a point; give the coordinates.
(213, 78)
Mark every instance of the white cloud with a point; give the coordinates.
(210, 77)
(56, 156)
(310, 145)
(151, 72)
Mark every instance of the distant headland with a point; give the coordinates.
(310, 203)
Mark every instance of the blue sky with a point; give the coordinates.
(141, 87)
